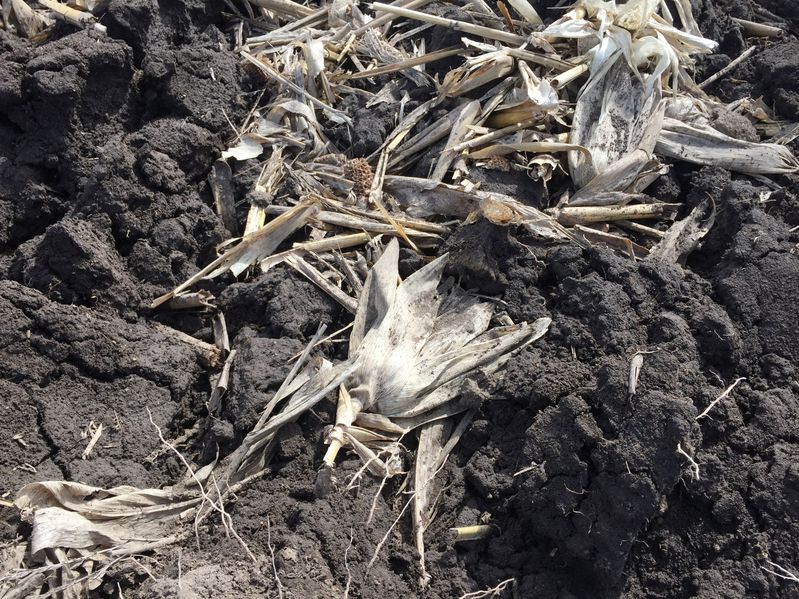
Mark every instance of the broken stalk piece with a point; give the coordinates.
(475, 532)
(73, 16)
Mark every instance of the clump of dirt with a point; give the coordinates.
(63, 367)
(105, 146)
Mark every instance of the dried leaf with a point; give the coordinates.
(683, 236)
(252, 249)
(72, 515)
(701, 144)
(247, 147)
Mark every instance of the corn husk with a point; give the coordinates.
(701, 144)
(614, 117)
(414, 349)
(619, 176)
(684, 236)
(476, 72)
(436, 441)
(75, 516)
(28, 22)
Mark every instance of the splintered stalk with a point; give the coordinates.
(403, 64)
(460, 128)
(539, 59)
(252, 248)
(633, 250)
(256, 217)
(728, 68)
(285, 7)
(332, 453)
(534, 146)
(486, 32)
(318, 279)
(383, 19)
(345, 416)
(270, 72)
(72, 16)
(524, 8)
(598, 214)
(328, 244)
(482, 140)
(639, 228)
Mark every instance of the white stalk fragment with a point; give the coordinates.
(72, 16)
(577, 215)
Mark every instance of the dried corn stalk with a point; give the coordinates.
(28, 22)
(252, 248)
(422, 198)
(476, 72)
(79, 531)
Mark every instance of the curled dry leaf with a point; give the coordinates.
(247, 147)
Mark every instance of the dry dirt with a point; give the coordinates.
(105, 146)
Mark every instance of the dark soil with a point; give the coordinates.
(105, 146)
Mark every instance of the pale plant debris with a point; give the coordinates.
(73, 16)
(252, 248)
(389, 386)
(780, 572)
(493, 592)
(29, 23)
(588, 94)
(635, 371)
(92, 433)
(34, 20)
(691, 462)
(474, 532)
(221, 385)
(759, 29)
(723, 395)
